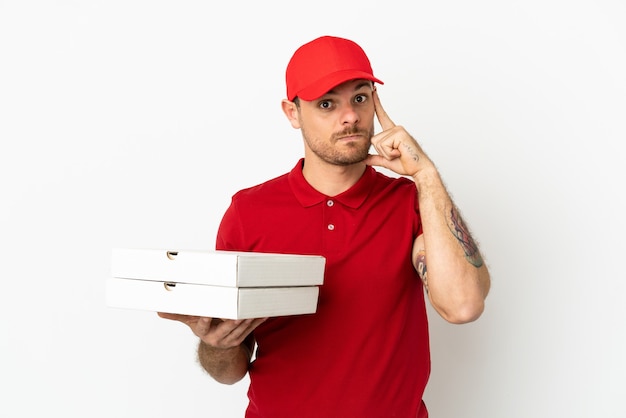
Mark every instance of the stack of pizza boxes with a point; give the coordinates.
(215, 284)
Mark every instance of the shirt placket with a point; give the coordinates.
(333, 228)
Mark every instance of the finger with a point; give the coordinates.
(386, 145)
(175, 317)
(203, 326)
(165, 315)
(256, 323)
(384, 119)
(243, 329)
(226, 334)
(375, 160)
(240, 329)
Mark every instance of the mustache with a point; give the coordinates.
(351, 132)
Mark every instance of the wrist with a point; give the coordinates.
(426, 177)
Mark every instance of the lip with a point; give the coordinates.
(349, 138)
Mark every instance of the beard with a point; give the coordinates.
(337, 153)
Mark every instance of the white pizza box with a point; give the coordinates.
(210, 301)
(218, 268)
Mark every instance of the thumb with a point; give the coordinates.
(203, 325)
(374, 160)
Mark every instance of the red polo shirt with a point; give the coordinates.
(365, 353)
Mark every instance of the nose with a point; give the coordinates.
(349, 116)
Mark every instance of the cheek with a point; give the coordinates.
(316, 128)
(368, 117)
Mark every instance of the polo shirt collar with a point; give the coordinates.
(308, 196)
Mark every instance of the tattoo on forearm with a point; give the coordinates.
(461, 233)
(421, 267)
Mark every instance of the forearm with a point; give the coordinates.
(226, 366)
(458, 279)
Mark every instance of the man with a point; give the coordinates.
(365, 352)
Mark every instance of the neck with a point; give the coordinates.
(331, 179)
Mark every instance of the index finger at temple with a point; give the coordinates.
(384, 119)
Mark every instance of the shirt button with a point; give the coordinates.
(331, 227)
(330, 203)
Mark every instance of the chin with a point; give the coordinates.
(355, 159)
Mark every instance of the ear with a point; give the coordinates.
(292, 112)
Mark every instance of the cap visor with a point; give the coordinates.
(325, 84)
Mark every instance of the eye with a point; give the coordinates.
(325, 104)
(361, 98)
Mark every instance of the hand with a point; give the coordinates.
(217, 333)
(397, 150)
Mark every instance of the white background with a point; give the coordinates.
(131, 123)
